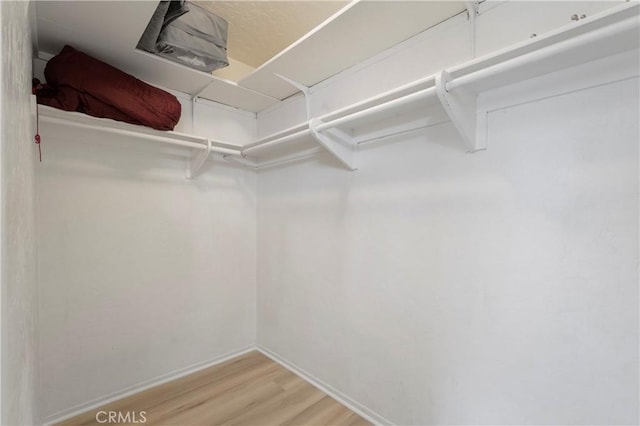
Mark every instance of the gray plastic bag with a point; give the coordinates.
(187, 34)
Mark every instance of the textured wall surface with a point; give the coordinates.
(259, 30)
(19, 301)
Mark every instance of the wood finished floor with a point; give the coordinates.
(247, 390)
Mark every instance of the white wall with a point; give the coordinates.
(224, 123)
(288, 113)
(18, 229)
(430, 286)
(437, 287)
(503, 22)
(433, 286)
(141, 271)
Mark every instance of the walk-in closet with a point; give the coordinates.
(320, 212)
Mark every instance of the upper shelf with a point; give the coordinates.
(110, 31)
(450, 94)
(355, 33)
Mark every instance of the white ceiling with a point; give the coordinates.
(361, 30)
(258, 30)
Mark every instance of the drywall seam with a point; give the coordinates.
(147, 384)
(353, 405)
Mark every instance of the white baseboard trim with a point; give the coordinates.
(139, 387)
(354, 406)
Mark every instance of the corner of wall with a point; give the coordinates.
(18, 206)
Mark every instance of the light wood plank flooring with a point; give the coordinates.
(247, 390)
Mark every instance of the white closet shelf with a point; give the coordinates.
(201, 146)
(345, 39)
(455, 90)
(450, 94)
(86, 26)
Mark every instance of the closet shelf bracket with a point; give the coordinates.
(338, 142)
(198, 158)
(472, 8)
(240, 159)
(302, 88)
(460, 105)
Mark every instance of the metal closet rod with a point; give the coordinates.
(276, 138)
(427, 81)
(394, 103)
(278, 141)
(278, 134)
(156, 138)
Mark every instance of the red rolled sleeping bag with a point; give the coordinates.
(78, 82)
